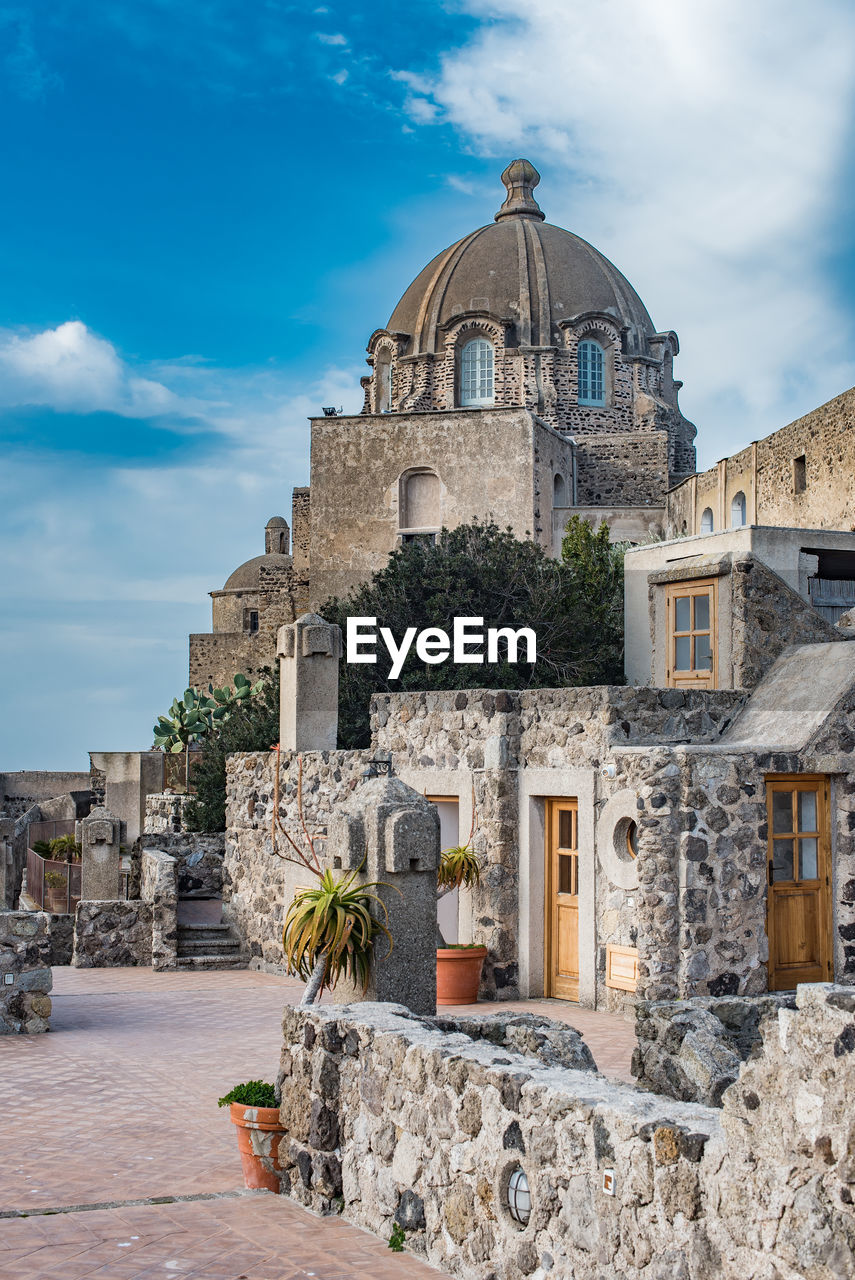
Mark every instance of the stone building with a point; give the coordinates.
(651, 843)
(519, 378)
(802, 476)
(247, 612)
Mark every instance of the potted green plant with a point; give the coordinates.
(254, 1111)
(56, 891)
(459, 966)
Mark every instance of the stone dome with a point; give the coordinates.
(520, 269)
(247, 577)
(277, 522)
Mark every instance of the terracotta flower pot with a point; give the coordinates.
(259, 1133)
(458, 974)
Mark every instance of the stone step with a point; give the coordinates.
(208, 946)
(212, 962)
(222, 927)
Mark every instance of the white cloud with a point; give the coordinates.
(700, 146)
(336, 39)
(73, 370)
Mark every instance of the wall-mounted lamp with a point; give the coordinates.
(519, 1196)
(379, 765)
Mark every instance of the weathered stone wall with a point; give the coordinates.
(692, 1050)
(541, 728)
(767, 616)
(14, 831)
(484, 461)
(164, 812)
(400, 1122)
(112, 934)
(825, 437)
(301, 514)
(25, 953)
(159, 893)
(61, 934)
(258, 883)
(622, 469)
(198, 856)
(41, 784)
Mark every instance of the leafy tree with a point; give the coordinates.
(252, 725)
(575, 607)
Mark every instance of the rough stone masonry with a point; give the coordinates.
(392, 1118)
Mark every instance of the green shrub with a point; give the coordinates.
(252, 726)
(254, 1093)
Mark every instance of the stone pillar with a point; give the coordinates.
(309, 651)
(391, 832)
(100, 875)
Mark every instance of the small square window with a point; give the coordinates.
(250, 621)
(799, 474)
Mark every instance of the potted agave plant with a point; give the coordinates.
(329, 932)
(458, 966)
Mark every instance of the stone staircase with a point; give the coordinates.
(208, 946)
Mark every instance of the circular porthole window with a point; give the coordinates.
(626, 839)
(519, 1196)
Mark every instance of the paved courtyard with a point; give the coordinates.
(116, 1107)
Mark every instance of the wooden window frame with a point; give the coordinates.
(694, 587)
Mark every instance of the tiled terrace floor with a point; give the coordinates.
(118, 1103)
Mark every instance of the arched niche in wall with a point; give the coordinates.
(559, 490)
(707, 522)
(420, 500)
(738, 513)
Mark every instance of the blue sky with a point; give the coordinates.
(207, 208)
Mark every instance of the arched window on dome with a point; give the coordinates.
(559, 490)
(737, 510)
(383, 381)
(476, 373)
(707, 524)
(592, 373)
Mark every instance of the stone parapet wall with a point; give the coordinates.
(542, 728)
(768, 615)
(25, 954)
(159, 893)
(112, 934)
(399, 1122)
(692, 1050)
(164, 812)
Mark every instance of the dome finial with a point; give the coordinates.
(520, 178)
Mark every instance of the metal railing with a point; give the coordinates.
(52, 885)
(49, 830)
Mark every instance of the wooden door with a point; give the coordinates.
(562, 899)
(799, 873)
(691, 628)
